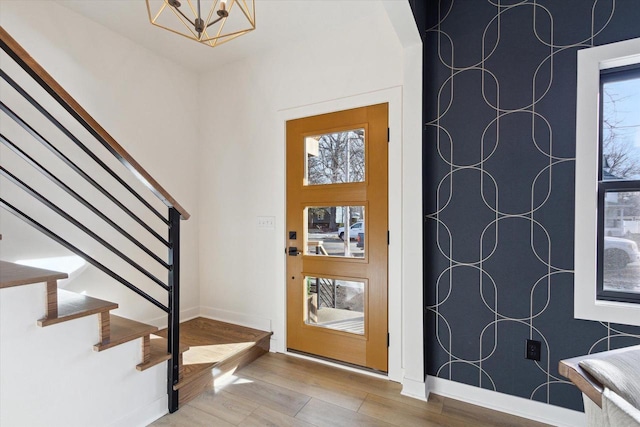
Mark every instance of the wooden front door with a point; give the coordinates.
(337, 222)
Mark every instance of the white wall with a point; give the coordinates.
(240, 168)
(243, 170)
(145, 102)
(242, 156)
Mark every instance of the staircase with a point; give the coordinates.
(66, 177)
(48, 335)
(36, 345)
(64, 306)
(65, 358)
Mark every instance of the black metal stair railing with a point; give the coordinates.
(326, 292)
(170, 261)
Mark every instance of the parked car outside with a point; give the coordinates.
(353, 230)
(619, 252)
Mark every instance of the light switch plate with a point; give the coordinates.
(267, 222)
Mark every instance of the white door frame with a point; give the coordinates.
(405, 188)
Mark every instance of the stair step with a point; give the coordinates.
(158, 352)
(200, 360)
(121, 330)
(72, 305)
(197, 381)
(17, 275)
(216, 348)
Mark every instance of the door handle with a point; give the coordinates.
(293, 251)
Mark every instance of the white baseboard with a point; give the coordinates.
(413, 388)
(513, 405)
(144, 416)
(274, 345)
(187, 314)
(241, 319)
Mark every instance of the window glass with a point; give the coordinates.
(335, 158)
(335, 304)
(620, 255)
(327, 235)
(621, 125)
(619, 185)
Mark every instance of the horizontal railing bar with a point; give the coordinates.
(4, 172)
(79, 144)
(79, 171)
(49, 84)
(34, 163)
(15, 211)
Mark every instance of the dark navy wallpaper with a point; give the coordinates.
(499, 147)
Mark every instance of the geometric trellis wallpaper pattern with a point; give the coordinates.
(499, 148)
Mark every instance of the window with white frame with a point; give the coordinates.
(619, 185)
(607, 259)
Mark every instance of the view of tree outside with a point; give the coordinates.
(339, 158)
(621, 161)
(335, 158)
(621, 129)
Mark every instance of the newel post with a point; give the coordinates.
(173, 327)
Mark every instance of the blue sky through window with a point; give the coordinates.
(621, 128)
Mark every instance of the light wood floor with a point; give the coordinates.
(281, 390)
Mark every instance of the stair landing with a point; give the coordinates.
(215, 348)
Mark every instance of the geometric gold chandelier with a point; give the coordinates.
(210, 22)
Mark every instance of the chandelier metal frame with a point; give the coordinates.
(207, 28)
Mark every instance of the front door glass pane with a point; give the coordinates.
(335, 304)
(334, 158)
(327, 235)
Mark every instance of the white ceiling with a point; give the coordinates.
(277, 22)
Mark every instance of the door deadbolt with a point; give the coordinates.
(293, 251)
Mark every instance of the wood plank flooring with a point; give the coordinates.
(282, 390)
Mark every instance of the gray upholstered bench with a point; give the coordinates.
(610, 385)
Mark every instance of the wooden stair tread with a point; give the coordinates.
(197, 379)
(124, 330)
(17, 275)
(72, 305)
(159, 352)
(202, 331)
(214, 343)
(200, 361)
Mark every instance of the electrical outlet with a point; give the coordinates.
(267, 222)
(533, 350)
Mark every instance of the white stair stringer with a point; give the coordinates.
(51, 376)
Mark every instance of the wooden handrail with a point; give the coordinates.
(17, 52)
